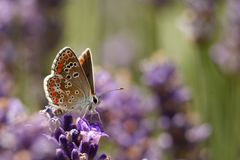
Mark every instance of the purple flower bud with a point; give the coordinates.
(58, 132)
(61, 155)
(74, 155)
(89, 148)
(82, 125)
(102, 157)
(63, 142)
(67, 122)
(93, 150)
(75, 136)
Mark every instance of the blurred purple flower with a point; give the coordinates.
(12, 111)
(119, 50)
(199, 20)
(40, 137)
(163, 79)
(6, 12)
(123, 114)
(25, 140)
(160, 76)
(182, 136)
(226, 52)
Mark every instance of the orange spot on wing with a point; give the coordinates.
(53, 93)
(55, 101)
(60, 66)
(51, 89)
(81, 61)
(51, 83)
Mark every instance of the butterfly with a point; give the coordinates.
(70, 86)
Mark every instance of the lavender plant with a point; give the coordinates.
(39, 138)
(226, 52)
(199, 20)
(24, 140)
(182, 136)
(123, 115)
(78, 141)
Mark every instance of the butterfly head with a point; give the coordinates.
(96, 100)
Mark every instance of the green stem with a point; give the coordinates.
(218, 94)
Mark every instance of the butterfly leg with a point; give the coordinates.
(54, 123)
(97, 119)
(86, 111)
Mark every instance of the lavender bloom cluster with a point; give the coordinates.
(11, 109)
(181, 136)
(226, 52)
(123, 115)
(41, 138)
(78, 141)
(24, 140)
(199, 20)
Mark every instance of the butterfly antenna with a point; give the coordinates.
(112, 90)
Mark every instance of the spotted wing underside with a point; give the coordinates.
(67, 86)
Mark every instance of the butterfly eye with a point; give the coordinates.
(95, 100)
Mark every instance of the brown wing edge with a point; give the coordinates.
(87, 64)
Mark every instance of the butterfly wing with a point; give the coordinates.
(67, 86)
(87, 64)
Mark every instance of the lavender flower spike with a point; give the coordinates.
(77, 140)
